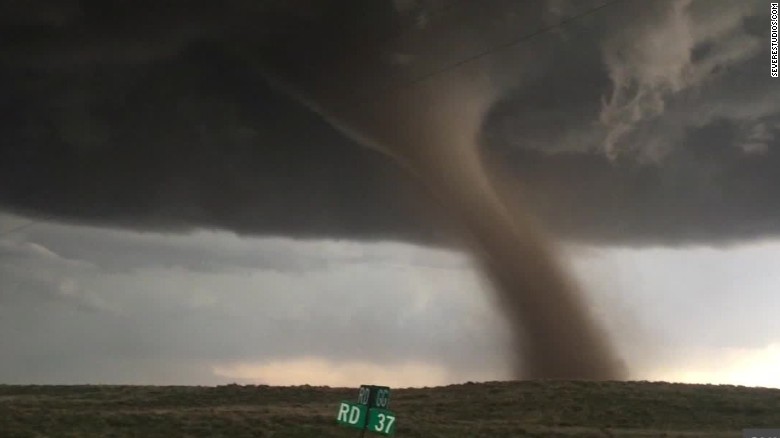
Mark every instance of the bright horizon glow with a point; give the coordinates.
(719, 366)
(729, 366)
(320, 372)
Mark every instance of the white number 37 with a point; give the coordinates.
(380, 426)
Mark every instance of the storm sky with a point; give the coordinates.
(195, 223)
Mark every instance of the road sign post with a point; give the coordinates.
(370, 412)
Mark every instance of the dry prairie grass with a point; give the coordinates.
(494, 409)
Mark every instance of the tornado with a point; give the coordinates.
(431, 126)
(432, 129)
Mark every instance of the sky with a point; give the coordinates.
(233, 193)
(88, 305)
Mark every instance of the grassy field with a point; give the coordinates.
(496, 409)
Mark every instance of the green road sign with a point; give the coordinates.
(374, 396)
(352, 415)
(381, 421)
(370, 412)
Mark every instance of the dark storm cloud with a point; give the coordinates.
(150, 138)
(154, 116)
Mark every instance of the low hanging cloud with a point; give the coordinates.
(34, 274)
(127, 251)
(166, 322)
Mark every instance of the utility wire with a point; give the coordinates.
(242, 51)
(508, 44)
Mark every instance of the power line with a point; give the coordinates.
(508, 44)
(393, 85)
(242, 52)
